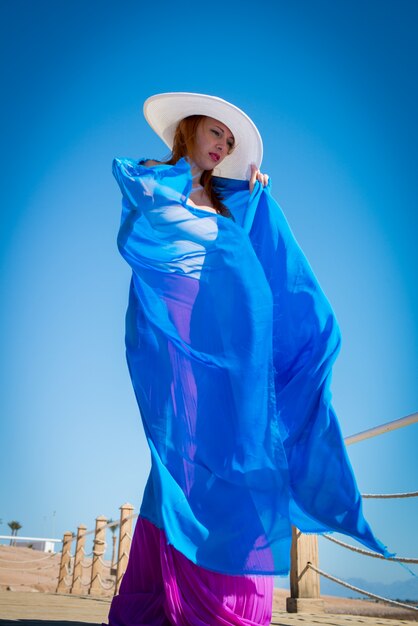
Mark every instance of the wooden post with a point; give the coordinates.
(125, 539)
(77, 587)
(65, 561)
(96, 588)
(304, 582)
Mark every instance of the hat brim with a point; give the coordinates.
(164, 111)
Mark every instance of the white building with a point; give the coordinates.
(36, 543)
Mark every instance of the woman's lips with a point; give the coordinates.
(215, 157)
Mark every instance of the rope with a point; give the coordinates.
(366, 593)
(121, 557)
(383, 428)
(111, 525)
(410, 494)
(86, 566)
(25, 569)
(40, 568)
(108, 588)
(88, 532)
(65, 553)
(88, 553)
(50, 556)
(108, 525)
(368, 553)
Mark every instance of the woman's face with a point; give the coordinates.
(213, 142)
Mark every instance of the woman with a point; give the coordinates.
(230, 343)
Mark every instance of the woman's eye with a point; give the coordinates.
(216, 132)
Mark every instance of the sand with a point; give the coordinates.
(27, 570)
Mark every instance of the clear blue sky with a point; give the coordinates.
(332, 88)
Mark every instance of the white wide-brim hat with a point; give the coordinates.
(164, 111)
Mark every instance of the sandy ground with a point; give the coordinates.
(346, 606)
(45, 609)
(26, 570)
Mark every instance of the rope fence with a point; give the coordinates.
(50, 556)
(410, 494)
(107, 587)
(25, 569)
(374, 555)
(105, 577)
(362, 591)
(304, 571)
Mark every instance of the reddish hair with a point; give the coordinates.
(183, 146)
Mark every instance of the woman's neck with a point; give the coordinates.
(196, 175)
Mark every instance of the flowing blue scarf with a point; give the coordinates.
(230, 343)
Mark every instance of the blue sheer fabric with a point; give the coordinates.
(230, 343)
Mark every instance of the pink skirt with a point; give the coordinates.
(161, 587)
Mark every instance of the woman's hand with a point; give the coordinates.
(257, 175)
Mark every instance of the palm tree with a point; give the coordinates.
(14, 526)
